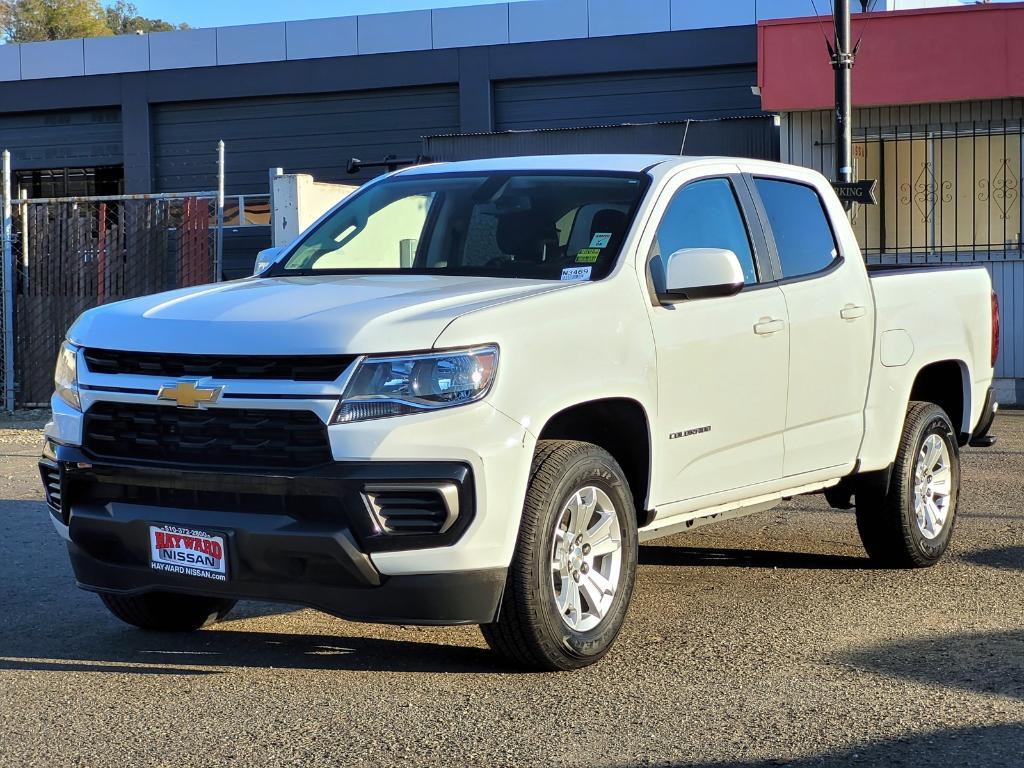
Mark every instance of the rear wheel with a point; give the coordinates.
(572, 574)
(910, 525)
(167, 611)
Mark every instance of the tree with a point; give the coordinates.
(25, 21)
(123, 19)
(33, 20)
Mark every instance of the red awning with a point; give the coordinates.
(907, 57)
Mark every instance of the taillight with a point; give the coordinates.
(995, 328)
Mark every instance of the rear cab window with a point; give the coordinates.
(799, 224)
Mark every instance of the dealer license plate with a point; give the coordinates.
(188, 552)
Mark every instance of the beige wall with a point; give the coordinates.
(299, 201)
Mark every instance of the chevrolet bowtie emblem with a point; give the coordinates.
(187, 395)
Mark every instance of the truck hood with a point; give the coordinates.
(299, 315)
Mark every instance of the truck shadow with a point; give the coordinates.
(46, 623)
(698, 557)
(216, 651)
(1004, 558)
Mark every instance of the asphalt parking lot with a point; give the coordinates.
(764, 641)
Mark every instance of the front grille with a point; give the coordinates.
(220, 437)
(284, 368)
(299, 506)
(51, 487)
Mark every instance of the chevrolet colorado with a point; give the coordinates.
(470, 390)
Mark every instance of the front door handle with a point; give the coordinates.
(766, 326)
(852, 312)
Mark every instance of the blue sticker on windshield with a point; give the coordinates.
(573, 274)
(600, 239)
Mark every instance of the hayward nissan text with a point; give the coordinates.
(470, 390)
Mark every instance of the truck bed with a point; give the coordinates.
(925, 316)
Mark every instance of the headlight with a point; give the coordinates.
(65, 377)
(394, 386)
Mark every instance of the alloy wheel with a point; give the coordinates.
(933, 484)
(586, 558)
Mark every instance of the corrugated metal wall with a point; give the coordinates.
(807, 139)
(241, 244)
(610, 99)
(63, 139)
(756, 137)
(303, 134)
(1008, 282)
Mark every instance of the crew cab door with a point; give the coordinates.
(831, 323)
(722, 362)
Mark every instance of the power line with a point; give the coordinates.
(828, 43)
(864, 26)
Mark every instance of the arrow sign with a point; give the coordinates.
(862, 192)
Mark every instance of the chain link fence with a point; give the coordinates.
(74, 254)
(63, 256)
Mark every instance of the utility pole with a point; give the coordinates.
(842, 63)
(849, 191)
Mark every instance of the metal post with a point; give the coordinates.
(23, 196)
(219, 260)
(8, 287)
(273, 174)
(842, 63)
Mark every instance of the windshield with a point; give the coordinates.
(528, 225)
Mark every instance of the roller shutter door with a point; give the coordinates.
(72, 138)
(303, 134)
(565, 102)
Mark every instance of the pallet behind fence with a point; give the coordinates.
(73, 256)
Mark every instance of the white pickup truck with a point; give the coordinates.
(470, 390)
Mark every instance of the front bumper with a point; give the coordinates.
(497, 449)
(305, 538)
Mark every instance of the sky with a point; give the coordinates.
(201, 13)
(215, 13)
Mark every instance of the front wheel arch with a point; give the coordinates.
(620, 426)
(530, 629)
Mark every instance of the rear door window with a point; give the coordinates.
(799, 224)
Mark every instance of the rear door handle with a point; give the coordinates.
(766, 326)
(852, 312)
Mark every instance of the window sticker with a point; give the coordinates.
(575, 274)
(587, 255)
(600, 239)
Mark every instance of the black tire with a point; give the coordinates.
(887, 522)
(167, 611)
(530, 631)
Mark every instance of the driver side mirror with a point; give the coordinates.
(701, 273)
(266, 258)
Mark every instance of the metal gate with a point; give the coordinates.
(950, 181)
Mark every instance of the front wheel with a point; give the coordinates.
(572, 574)
(910, 525)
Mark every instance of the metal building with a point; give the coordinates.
(142, 114)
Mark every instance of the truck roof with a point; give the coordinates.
(583, 162)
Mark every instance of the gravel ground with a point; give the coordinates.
(763, 641)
